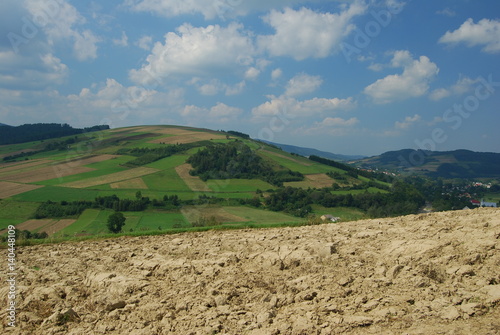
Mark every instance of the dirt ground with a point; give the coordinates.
(432, 273)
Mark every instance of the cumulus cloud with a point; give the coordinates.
(413, 82)
(215, 86)
(30, 72)
(220, 113)
(305, 33)
(296, 108)
(145, 42)
(276, 74)
(463, 85)
(210, 9)
(408, 121)
(61, 21)
(200, 51)
(485, 33)
(303, 84)
(338, 122)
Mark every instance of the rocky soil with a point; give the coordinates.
(433, 273)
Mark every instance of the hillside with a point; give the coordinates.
(176, 178)
(302, 151)
(446, 164)
(418, 274)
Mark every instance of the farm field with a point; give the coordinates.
(99, 167)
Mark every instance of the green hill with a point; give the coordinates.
(180, 178)
(445, 164)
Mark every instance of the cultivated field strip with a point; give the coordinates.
(317, 180)
(9, 189)
(136, 183)
(285, 157)
(193, 182)
(188, 137)
(35, 173)
(9, 167)
(112, 178)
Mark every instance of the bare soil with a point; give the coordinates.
(432, 273)
(8, 189)
(193, 182)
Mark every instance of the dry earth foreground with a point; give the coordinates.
(420, 274)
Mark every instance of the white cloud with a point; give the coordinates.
(198, 52)
(210, 9)
(305, 33)
(215, 86)
(59, 20)
(485, 33)
(33, 72)
(302, 84)
(463, 85)
(413, 82)
(338, 122)
(220, 113)
(408, 121)
(145, 42)
(276, 74)
(252, 73)
(447, 12)
(295, 108)
(123, 41)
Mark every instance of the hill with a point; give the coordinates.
(418, 274)
(306, 152)
(446, 164)
(4, 125)
(181, 178)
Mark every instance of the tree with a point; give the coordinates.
(116, 221)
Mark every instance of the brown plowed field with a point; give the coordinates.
(419, 274)
(8, 189)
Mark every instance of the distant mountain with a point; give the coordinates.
(446, 164)
(4, 125)
(309, 152)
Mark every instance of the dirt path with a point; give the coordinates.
(419, 274)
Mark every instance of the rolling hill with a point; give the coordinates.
(68, 186)
(310, 151)
(446, 164)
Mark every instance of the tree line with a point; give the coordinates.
(42, 131)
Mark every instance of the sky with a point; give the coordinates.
(349, 77)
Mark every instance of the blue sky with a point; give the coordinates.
(350, 77)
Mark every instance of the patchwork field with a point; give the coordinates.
(9, 189)
(112, 178)
(193, 182)
(317, 180)
(136, 183)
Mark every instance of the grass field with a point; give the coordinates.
(111, 178)
(260, 216)
(299, 164)
(15, 212)
(238, 185)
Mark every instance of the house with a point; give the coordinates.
(328, 217)
(475, 202)
(488, 204)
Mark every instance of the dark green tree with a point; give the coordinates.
(116, 221)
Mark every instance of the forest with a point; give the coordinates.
(237, 160)
(41, 131)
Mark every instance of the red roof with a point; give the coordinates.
(475, 201)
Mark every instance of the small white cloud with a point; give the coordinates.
(447, 12)
(276, 74)
(413, 82)
(376, 67)
(252, 73)
(485, 33)
(215, 86)
(463, 85)
(408, 121)
(292, 107)
(123, 41)
(338, 122)
(439, 94)
(145, 42)
(220, 113)
(303, 84)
